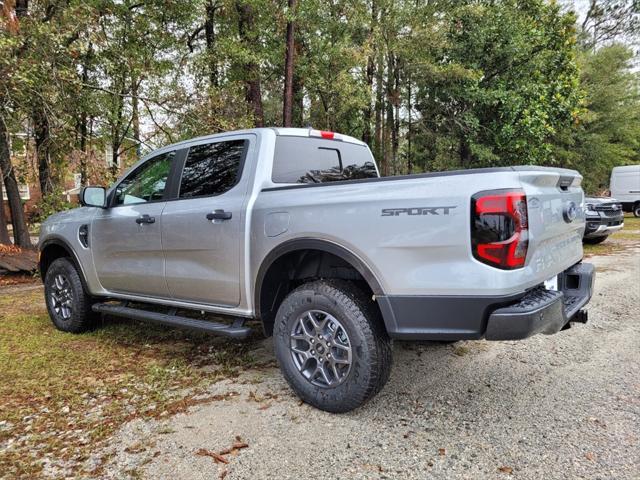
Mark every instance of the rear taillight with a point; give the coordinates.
(499, 228)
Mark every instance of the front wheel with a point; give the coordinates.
(636, 210)
(331, 345)
(68, 304)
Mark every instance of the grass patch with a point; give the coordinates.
(461, 350)
(62, 394)
(631, 222)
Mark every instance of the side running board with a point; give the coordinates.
(238, 330)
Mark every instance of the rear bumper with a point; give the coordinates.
(545, 311)
(494, 318)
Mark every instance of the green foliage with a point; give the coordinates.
(50, 204)
(508, 82)
(607, 132)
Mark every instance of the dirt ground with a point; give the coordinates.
(166, 404)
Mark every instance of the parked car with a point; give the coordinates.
(625, 186)
(604, 216)
(295, 228)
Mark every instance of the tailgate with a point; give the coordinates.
(556, 219)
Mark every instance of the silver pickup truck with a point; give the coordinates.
(295, 228)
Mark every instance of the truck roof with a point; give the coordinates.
(289, 132)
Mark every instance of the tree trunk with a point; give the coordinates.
(83, 119)
(389, 139)
(210, 37)
(465, 153)
(116, 135)
(4, 231)
(297, 118)
(135, 117)
(368, 111)
(395, 133)
(115, 155)
(409, 126)
(43, 149)
(378, 147)
(82, 127)
(287, 104)
(20, 231)
(253, 93)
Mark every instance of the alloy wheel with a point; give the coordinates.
(321, 349)
(61, 297)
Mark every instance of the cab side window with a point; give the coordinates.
(147, 182)
(212, 169)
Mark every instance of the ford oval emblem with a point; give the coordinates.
(570, 212)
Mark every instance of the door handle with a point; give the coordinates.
(145, 219)
(219, 215)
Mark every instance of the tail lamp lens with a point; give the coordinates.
(500, 228)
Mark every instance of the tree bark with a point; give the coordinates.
(379, 104)
(253, 93)
(210, 38)
(135, 116)
(389, 137)
(409, 126)
(42, 135)
(465, 153)
(287, 104)
(368, 111)
(4, 231)
(83, 119)
(20, 231)
(395, 133)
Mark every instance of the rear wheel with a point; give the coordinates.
(595, 240)
(636, 210)
(331, 345)
(68, 304)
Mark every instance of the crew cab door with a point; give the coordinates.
(202, 229)
(126, 237)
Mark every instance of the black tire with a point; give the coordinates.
(636, 210)
(359, 317)
(68, 304)
(595, 240)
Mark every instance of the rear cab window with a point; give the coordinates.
(316, 160)
(212, 169)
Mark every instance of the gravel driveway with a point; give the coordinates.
(562, 406)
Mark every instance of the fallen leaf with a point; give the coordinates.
(590, 456)
(507, 470)
(264, 407)
(223, 474)
(441, 452)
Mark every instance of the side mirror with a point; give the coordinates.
(93, 197)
